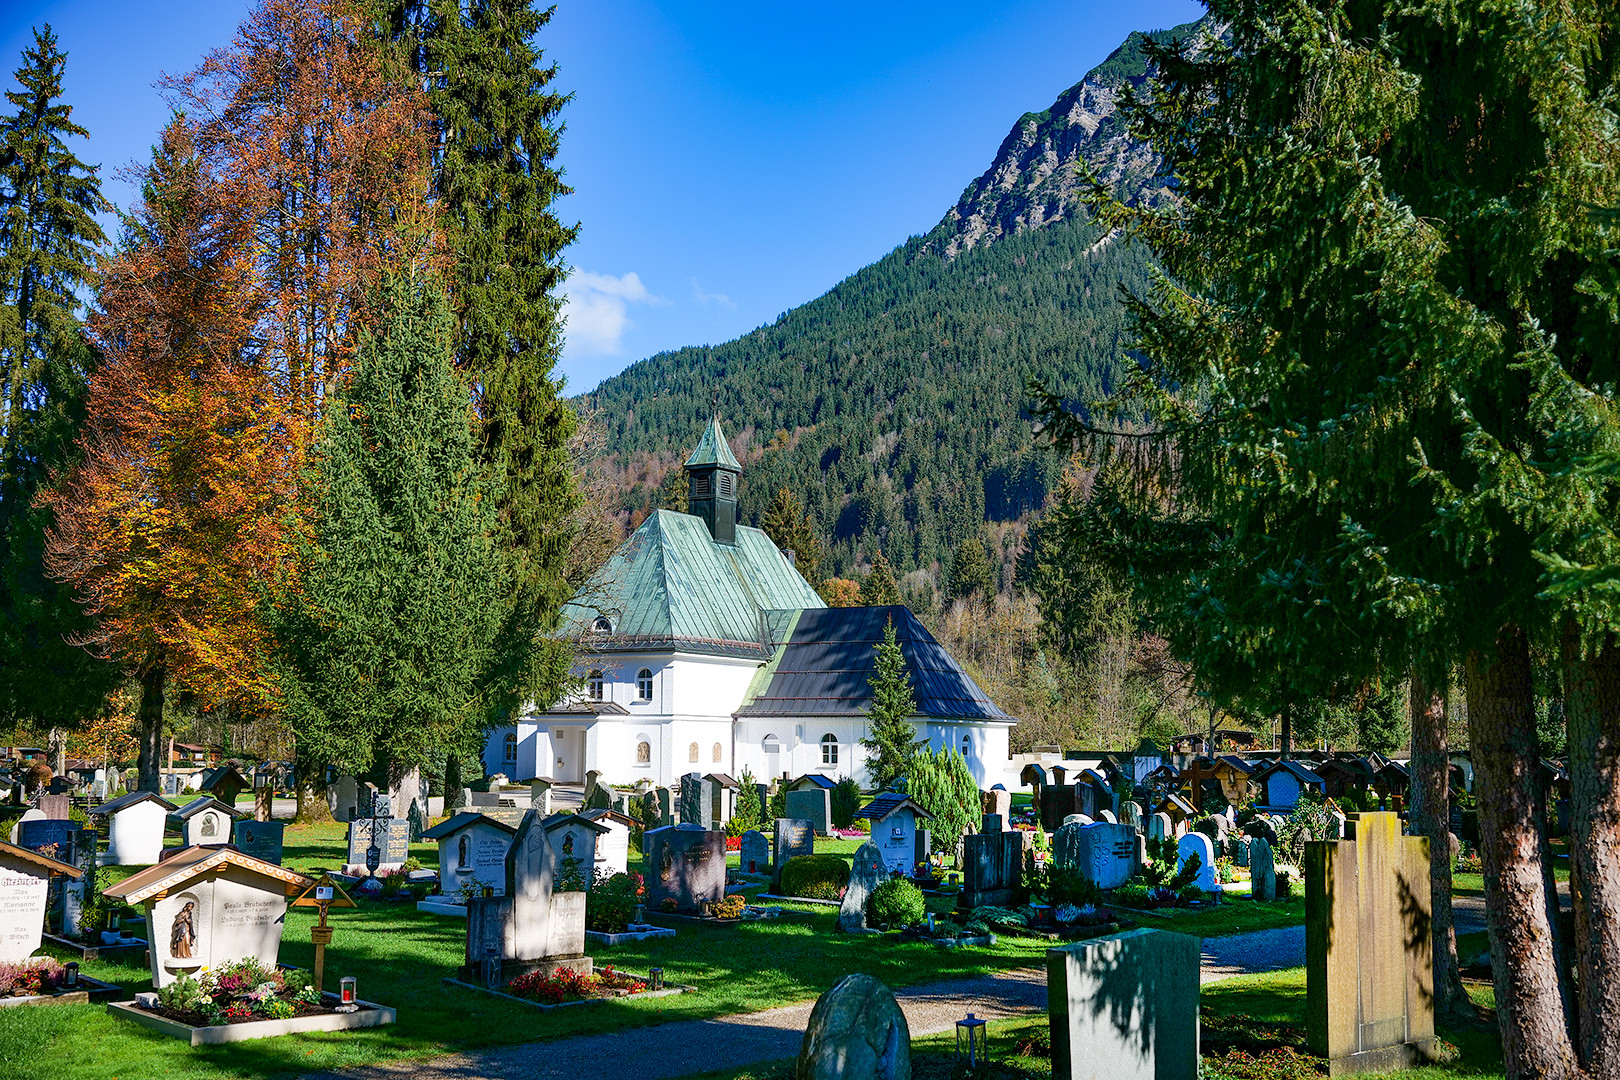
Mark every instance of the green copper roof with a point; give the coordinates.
(712, 449)
(671, 586)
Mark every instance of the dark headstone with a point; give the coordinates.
(994, 870)
(855, 1030)
(812, 804)
(790, 838)
(261, 839)
(34, 835)
(687, 865)
(692, 800)
(755, 853)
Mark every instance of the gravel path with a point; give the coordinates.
(679, 1049)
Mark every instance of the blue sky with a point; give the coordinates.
(730, 160)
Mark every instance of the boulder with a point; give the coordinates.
(856, 1032)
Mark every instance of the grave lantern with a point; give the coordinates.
(655, 978)
(346, 989)
(492, 968)
(971, 1035)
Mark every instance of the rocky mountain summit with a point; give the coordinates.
(1039, 171)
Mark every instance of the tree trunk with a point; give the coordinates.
(1287, 733)
(149, 728)
(1502, 734)
(1431, 817)
(452, 782)
(1592, 713)
(56, 741)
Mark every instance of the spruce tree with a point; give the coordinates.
(389, 634)
(941, 783)
(970, 571)
(48, 242)
(879, 588)
(495, 183)
(891, 739)
(789, 526)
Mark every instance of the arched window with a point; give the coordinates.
(593, 685)
(602, 625)
(643, 752)
(719, 754)
(692, 752)
(511, 746)
(967, 744)
(644, 684)
(773, 755)
(829, 749)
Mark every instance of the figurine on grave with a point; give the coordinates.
(182, 935)
(462, 854)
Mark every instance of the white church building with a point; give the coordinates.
(702, 649)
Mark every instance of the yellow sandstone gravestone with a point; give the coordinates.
(1369, 972)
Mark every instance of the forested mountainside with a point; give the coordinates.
(894, 405)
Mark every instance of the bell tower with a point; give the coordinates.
(712, 476)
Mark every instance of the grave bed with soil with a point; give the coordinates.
(194, 1027)
(89, 990)
(131, 950)
(567, 988)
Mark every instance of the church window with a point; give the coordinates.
(643, 752)
(644, 684)
(692, 752)
(967, 745)
(511, 746)
(593, 685)
(719, 754)
(602, 625)
(773, 755)
(829, 749)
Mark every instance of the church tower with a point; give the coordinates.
(712, 476)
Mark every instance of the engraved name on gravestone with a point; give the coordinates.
(23, 890)
(1106, 853)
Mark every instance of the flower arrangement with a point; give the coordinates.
(568, 985)
(734, 843)
(238, 991)
(668, 904)
(26, 978)
(729, 908)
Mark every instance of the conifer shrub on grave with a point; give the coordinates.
(846, 800)
(897, 904)
(818, 877)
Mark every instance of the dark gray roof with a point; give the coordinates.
(889, 803)
(824, 664)
(814, 780)
(130, 799)
(461, 821)
(1300, 773)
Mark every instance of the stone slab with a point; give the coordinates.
(369, 1015)
(1125, 1007)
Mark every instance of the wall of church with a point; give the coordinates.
(800, 749)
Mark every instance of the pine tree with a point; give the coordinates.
(789, 526)
(749, 814)
(495, 184)
(389, 632)
(970, 571)
(673, 494)
(941, 783)
(891, 739)
(48, 238)
(879, 588)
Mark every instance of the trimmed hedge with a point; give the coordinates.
(819, 877)
(897, 904)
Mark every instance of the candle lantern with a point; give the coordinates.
(971, 1035)
(346, 989)
(492, 969)
(655, 978)
(70, 974)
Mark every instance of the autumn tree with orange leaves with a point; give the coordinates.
(176, 512)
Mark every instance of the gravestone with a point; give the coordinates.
(1196, 843)
(593, 780)
(1130, 813)
(612, 846)
(56, 807)
(472, 853)
(993, 871)
(1237, 847)
(1108, 816)
(1125, 1007)
(1159, 827)
(1141, 853)
(692, 800)
(998, 800)
(134, 828)
(1335, 826)
(344, 799)
(31, 814)
(540, 796)
(717, 802)
(666, 807)
(1077, 819)
(1263, 828)
(205, 820)
(209, 906)
(60, 834)
(922, 847)
(1066, 853)
(25, 881)
(388, 839)
(989, 823)
(1369, 976)
(866, 873)
(264, 803)
(856, 1030)
(573, 839)
(1262, 871)
(685, 865)
(812, 804)
(531, 928)
(261, 839)
(755, 853)
(416, 821)
(790, 838)
(1106, 853)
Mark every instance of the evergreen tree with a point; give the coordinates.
(390, 632)
(941, 783)
(674, 493)
(495, 184)
(970, 571)
(879, 588)
(749, 814)
(891, 739)
(48, 239)
(790, 528)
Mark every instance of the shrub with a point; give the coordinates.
(897, 903)
(611, 903)
(749, 813)
(1071, 887)
(1209, 827)
(846, 799)
(36, 976)
(941, 783)
(820, 877)
(729, 908)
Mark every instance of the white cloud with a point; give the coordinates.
(707, 298)
(597, 307)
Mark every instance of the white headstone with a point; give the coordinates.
(1159, 827)
(23, 890)
(1108, 816)
(1201, 845)
(135, 834)
(31, 814)
(474, 856)
(1107, 853)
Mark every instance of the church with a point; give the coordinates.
(702, 649)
